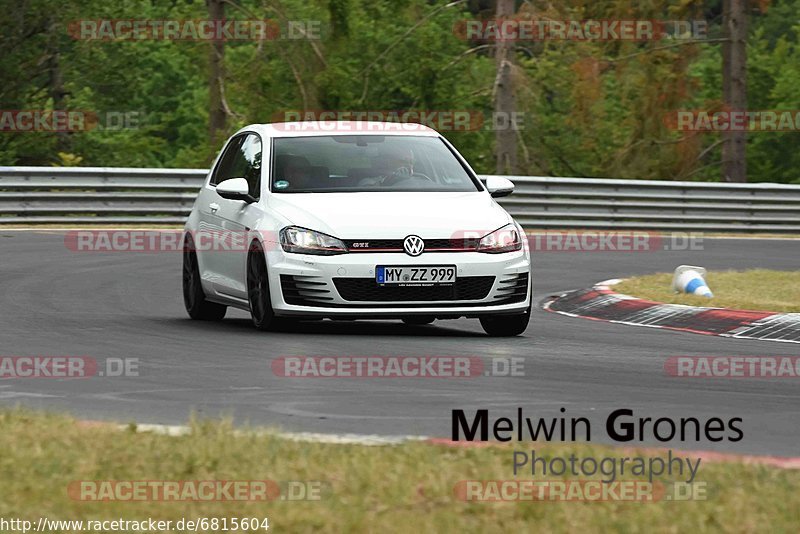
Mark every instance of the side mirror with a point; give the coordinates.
(235, 189)
(499, 186)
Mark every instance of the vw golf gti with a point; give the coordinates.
(355, 221)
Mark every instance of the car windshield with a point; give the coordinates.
(362, 163)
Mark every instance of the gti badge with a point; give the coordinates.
(413, 245)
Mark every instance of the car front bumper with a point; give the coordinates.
(344, 285)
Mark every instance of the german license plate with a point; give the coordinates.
(429, 274)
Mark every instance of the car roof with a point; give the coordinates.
(319, 128)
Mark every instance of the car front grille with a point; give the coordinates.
(367, 290)
(396, 245)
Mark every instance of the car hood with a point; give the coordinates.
(391, 215)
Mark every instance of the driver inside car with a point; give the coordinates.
(395, 164)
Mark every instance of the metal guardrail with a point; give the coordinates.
(97, 195)
(75, 195)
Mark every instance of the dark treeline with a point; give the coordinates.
(589, 108)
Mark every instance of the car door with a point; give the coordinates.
(211, 228)
(237, 217)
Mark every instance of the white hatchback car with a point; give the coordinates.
(366, 221)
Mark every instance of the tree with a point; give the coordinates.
(216, 103)
(505, 104)
(734, 88)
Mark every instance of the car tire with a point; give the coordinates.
(258, 294)
(506, 325)
(418, 321)
(194, 299)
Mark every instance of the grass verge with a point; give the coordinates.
(758, 289)
(401, 488)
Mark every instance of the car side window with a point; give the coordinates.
(251, 161)
(224, 168)
(242, 159)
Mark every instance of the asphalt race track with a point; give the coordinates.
(128, 305)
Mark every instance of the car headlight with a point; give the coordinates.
(304, 241)
(505, 239)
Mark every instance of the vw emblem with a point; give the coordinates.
(413, 245)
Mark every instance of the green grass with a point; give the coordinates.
(403, 488)
(758, 289)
